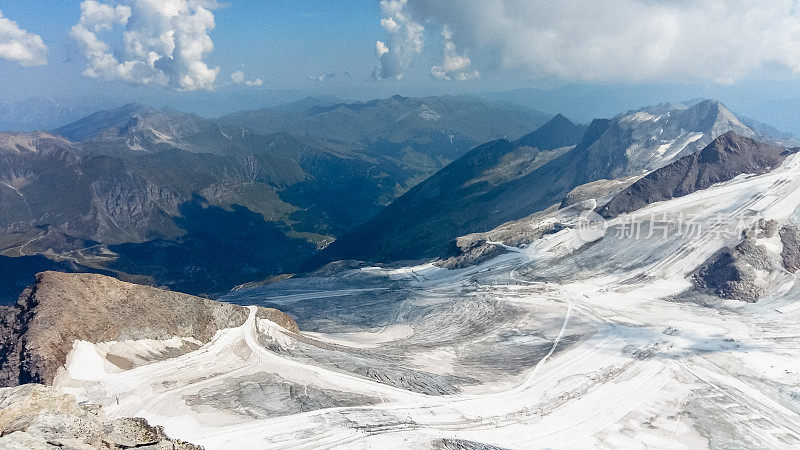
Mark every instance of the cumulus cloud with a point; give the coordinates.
(18, 45)
(591, 40)
(238, 78)
(404, 39)
(454, 67)
(163, 42)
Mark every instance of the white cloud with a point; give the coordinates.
(18, 45)
(454, 67)
(591, 40)
(238, 78)
(163, 44)
(404, 39)
(381, 48)
(97, 16)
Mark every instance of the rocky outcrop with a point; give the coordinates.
(599, 190)
(35, 417)
(471, 252)
(790, 238)
(732, 274)
(39, 331)
(723, 159)
(745, 272)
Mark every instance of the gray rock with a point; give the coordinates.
(472, 253)
(732, 272)
(790, 238)
(33, 416)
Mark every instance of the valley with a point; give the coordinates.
(399, 224)
(136, 191)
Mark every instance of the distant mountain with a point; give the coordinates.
(138, 128)
(640, 141)
(46, 113)
(422, 222)
(584, 102)
(267, 206)
(768, 133)
(441, 128)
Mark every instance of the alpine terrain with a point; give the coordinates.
(136, 192)
(658, 303)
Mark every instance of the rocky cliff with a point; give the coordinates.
(39, 331)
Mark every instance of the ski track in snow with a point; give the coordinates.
(620, 380)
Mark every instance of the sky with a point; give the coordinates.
(213, 57)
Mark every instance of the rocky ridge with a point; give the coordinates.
(37, 334)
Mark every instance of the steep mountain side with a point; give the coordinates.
(558, 132)
(640, 141)
(460, 199)
(280, 195)
(726, 157)
(147, 189)
(418, 224)
(37, 334)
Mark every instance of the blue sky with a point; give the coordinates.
(282, 42)
(612, 55)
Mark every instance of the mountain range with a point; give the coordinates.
(624, 283)
(136, 191)
(643, 330)
(477, 193)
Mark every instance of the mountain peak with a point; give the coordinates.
(557, 132)
(94, 123)
(560, 119)
(727, 156)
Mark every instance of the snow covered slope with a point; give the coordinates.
(640, 141)
(594, 334)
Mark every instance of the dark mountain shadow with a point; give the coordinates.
(17, 273)
(220, 249)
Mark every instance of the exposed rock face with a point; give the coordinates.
(140, 182)
(732, 273)
(37, 334)
(745, 271)
(463, 198)
(41, 417)
(599, 190)
(726, 157)
(790, 238)
(469, 252)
